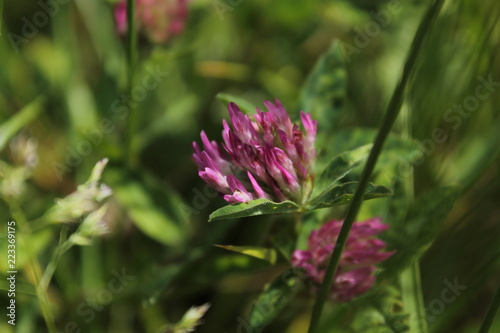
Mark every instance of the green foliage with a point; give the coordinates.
(323, 94)
(343, 194)
(22, 119)
(412, 235)
(397, 151)
(273, 299)
(284, 244)
(224, 265)
(381, 311)
(384, 315)
(244, 105)
(339, 167)
(253, 208)
(150, 218)
(269, 255)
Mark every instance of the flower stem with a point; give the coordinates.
(410, 281)
(25, 231)
(51, 267)
(411, 289)
(132, 122)
(388, 122)
(492, 312)
(64, 245)
(39, 223)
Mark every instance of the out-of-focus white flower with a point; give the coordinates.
(94, 225)
(88, 198)
(24, 151)
(12, 180)
(189, 321)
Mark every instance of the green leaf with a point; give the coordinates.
(323, 93)
(209, 269)
(412, 236)
(472, 156)
(21, 119)
(159, 278)
(98, 23)
(384, 313)
(427, 214)
(137, 200)
(342, 194)
(396, 149)
(389, 304)
(340, 166)
(273, 299)
(379, 310)
(245, 106)
(253, 208)
(338, 195)
(263, 253)
(81, 108)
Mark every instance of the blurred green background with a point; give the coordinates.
(255, 50)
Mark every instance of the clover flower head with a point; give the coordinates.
(264, 156)
(159, 20)
(357, 263)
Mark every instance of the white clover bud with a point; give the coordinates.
(94, 225)
(189, 321)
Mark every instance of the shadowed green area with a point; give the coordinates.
(63, 82)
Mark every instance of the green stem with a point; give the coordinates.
(25, 231)
(411, 289)
(388, 122)
(51, 267)
(410, 281)
(132, 122)
(39, 223)
(492, 312)
(63, 246)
